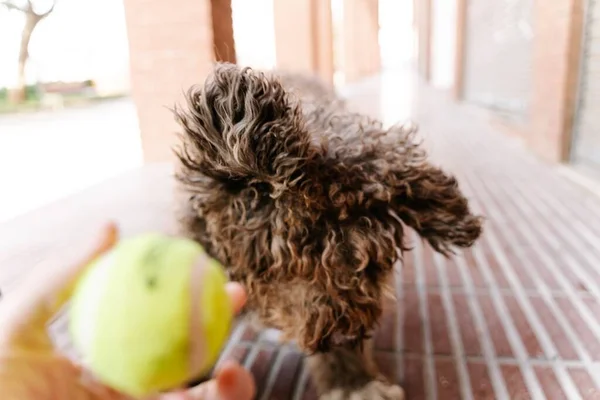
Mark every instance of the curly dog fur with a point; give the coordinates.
(307, 204)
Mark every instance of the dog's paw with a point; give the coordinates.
(374, 390)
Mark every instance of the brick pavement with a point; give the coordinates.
(515, 317)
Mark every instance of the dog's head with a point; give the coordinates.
(322, 196)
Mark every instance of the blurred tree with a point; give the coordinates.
(34, 12)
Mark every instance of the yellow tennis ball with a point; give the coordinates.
(151, 314)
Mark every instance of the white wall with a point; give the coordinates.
(443, 46)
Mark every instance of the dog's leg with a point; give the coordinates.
(351, 374)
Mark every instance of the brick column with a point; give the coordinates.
(556, 57)
(304, 36)
(323, 37)
(422, 10)
(361, 39)
(222, 23)
(461, 36)
(171, 48)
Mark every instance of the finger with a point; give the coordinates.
(237, 294)
(232, 382)
(34, 305)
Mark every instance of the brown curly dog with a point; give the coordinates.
(307, 203)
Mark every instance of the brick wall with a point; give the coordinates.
(222, 24)
(361, 39)
(557, 45)
(173, 44)
(303, 36)
(459, 59)
(323, 35)
(422, 11)
(171, 48)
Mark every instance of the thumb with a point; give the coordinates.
(232, 382)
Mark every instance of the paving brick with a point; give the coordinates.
(310, 392)
(429, 269)
(438, 325)
(261, 365)
(447, 384)
(469, 335)
(286, 376)
(585, 334)
(515, 263)
(413, 323)
(549, 383)
(481, 385)
(249, 333)
(237, 353)
(414, 383)
(587, 265)
(530, 257)
(498, 275)
(594, 306)
(498, 336)
(584, 383)
(556, 332)
(450, 269)
(515, 383)
(525, 331)
(385, 336)
(474, 271)
(408, 269)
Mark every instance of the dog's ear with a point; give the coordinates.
(241, 126)
(430, 201)
(397, 175)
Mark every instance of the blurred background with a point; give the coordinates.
(505, 94)
(76, 75)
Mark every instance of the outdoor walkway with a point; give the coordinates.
(48, 155)
(516, 317)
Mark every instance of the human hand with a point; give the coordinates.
(31, 369)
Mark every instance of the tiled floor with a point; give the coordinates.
(516, 317)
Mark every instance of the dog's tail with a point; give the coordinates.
(240, 126)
